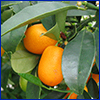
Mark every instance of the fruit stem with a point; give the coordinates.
(64, 91)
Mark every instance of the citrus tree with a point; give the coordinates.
(49, 50)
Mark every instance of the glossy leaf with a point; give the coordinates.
(77, 60)
(48, 9)
(23, 61)
(31, 78)
(96, 33)
(10, 41)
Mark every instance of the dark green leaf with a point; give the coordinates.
(6, 14)
(77, 60)
(10, 41)
(93, 88)
(96, 34)
(95, 69)
(33, 91)
(97, 18)
(5, 69)
(54, 95)
(3, 96)
(31, 78)
(33, 13)
(23, 61)
(85, 95)
(49, 22)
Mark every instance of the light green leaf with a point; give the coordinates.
(22, 61)
(32, 13)
(53, 33)
(77, 61)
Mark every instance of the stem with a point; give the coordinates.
(89, 5)
(64, 91)
(80, 26)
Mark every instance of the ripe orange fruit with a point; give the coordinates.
(95, 77)
(35, 43)
(2, 51)
(49, 69)
(73, 95)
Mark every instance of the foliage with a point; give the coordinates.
(78, 57)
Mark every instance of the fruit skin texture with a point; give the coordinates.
(2, 51)
(73, 95)
(35, 43)
(49, 69)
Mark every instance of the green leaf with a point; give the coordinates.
(96, 34)
(54, 95)
(31, 78)
(5, 4)
(49, 22)
(23, 61)
(5, 69)
(60, 19)
(85, 95)
(10, 41)
(40, 10)
(97, 18)
(93, 88)
(3, 96)
(77, 61)
(33, 91)
(80, 12)
(6, 14)
(20, 6)
(53, 33)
